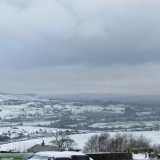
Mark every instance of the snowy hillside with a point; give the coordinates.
(80, 139)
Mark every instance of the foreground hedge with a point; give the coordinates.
(12, 156)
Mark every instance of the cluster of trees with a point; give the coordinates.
(117, 143)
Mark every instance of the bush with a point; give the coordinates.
(12, 156)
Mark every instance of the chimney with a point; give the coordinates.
(42, 143)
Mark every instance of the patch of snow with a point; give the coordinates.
(140, 156)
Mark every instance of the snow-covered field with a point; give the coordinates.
(80, 139)
(125, 124)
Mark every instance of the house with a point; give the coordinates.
(42, 147)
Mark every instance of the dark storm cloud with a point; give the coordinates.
(90, 52)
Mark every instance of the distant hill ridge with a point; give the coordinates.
(91, 96)
(106, 97)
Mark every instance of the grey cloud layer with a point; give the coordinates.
(41, 33)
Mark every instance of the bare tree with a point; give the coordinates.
(91, 144)
(142, 142)
(63, 139)
(103, 142)
(117, 142)
(97, 143)
(156, 148)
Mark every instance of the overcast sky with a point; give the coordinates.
(74, 46)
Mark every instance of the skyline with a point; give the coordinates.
(68, 47)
